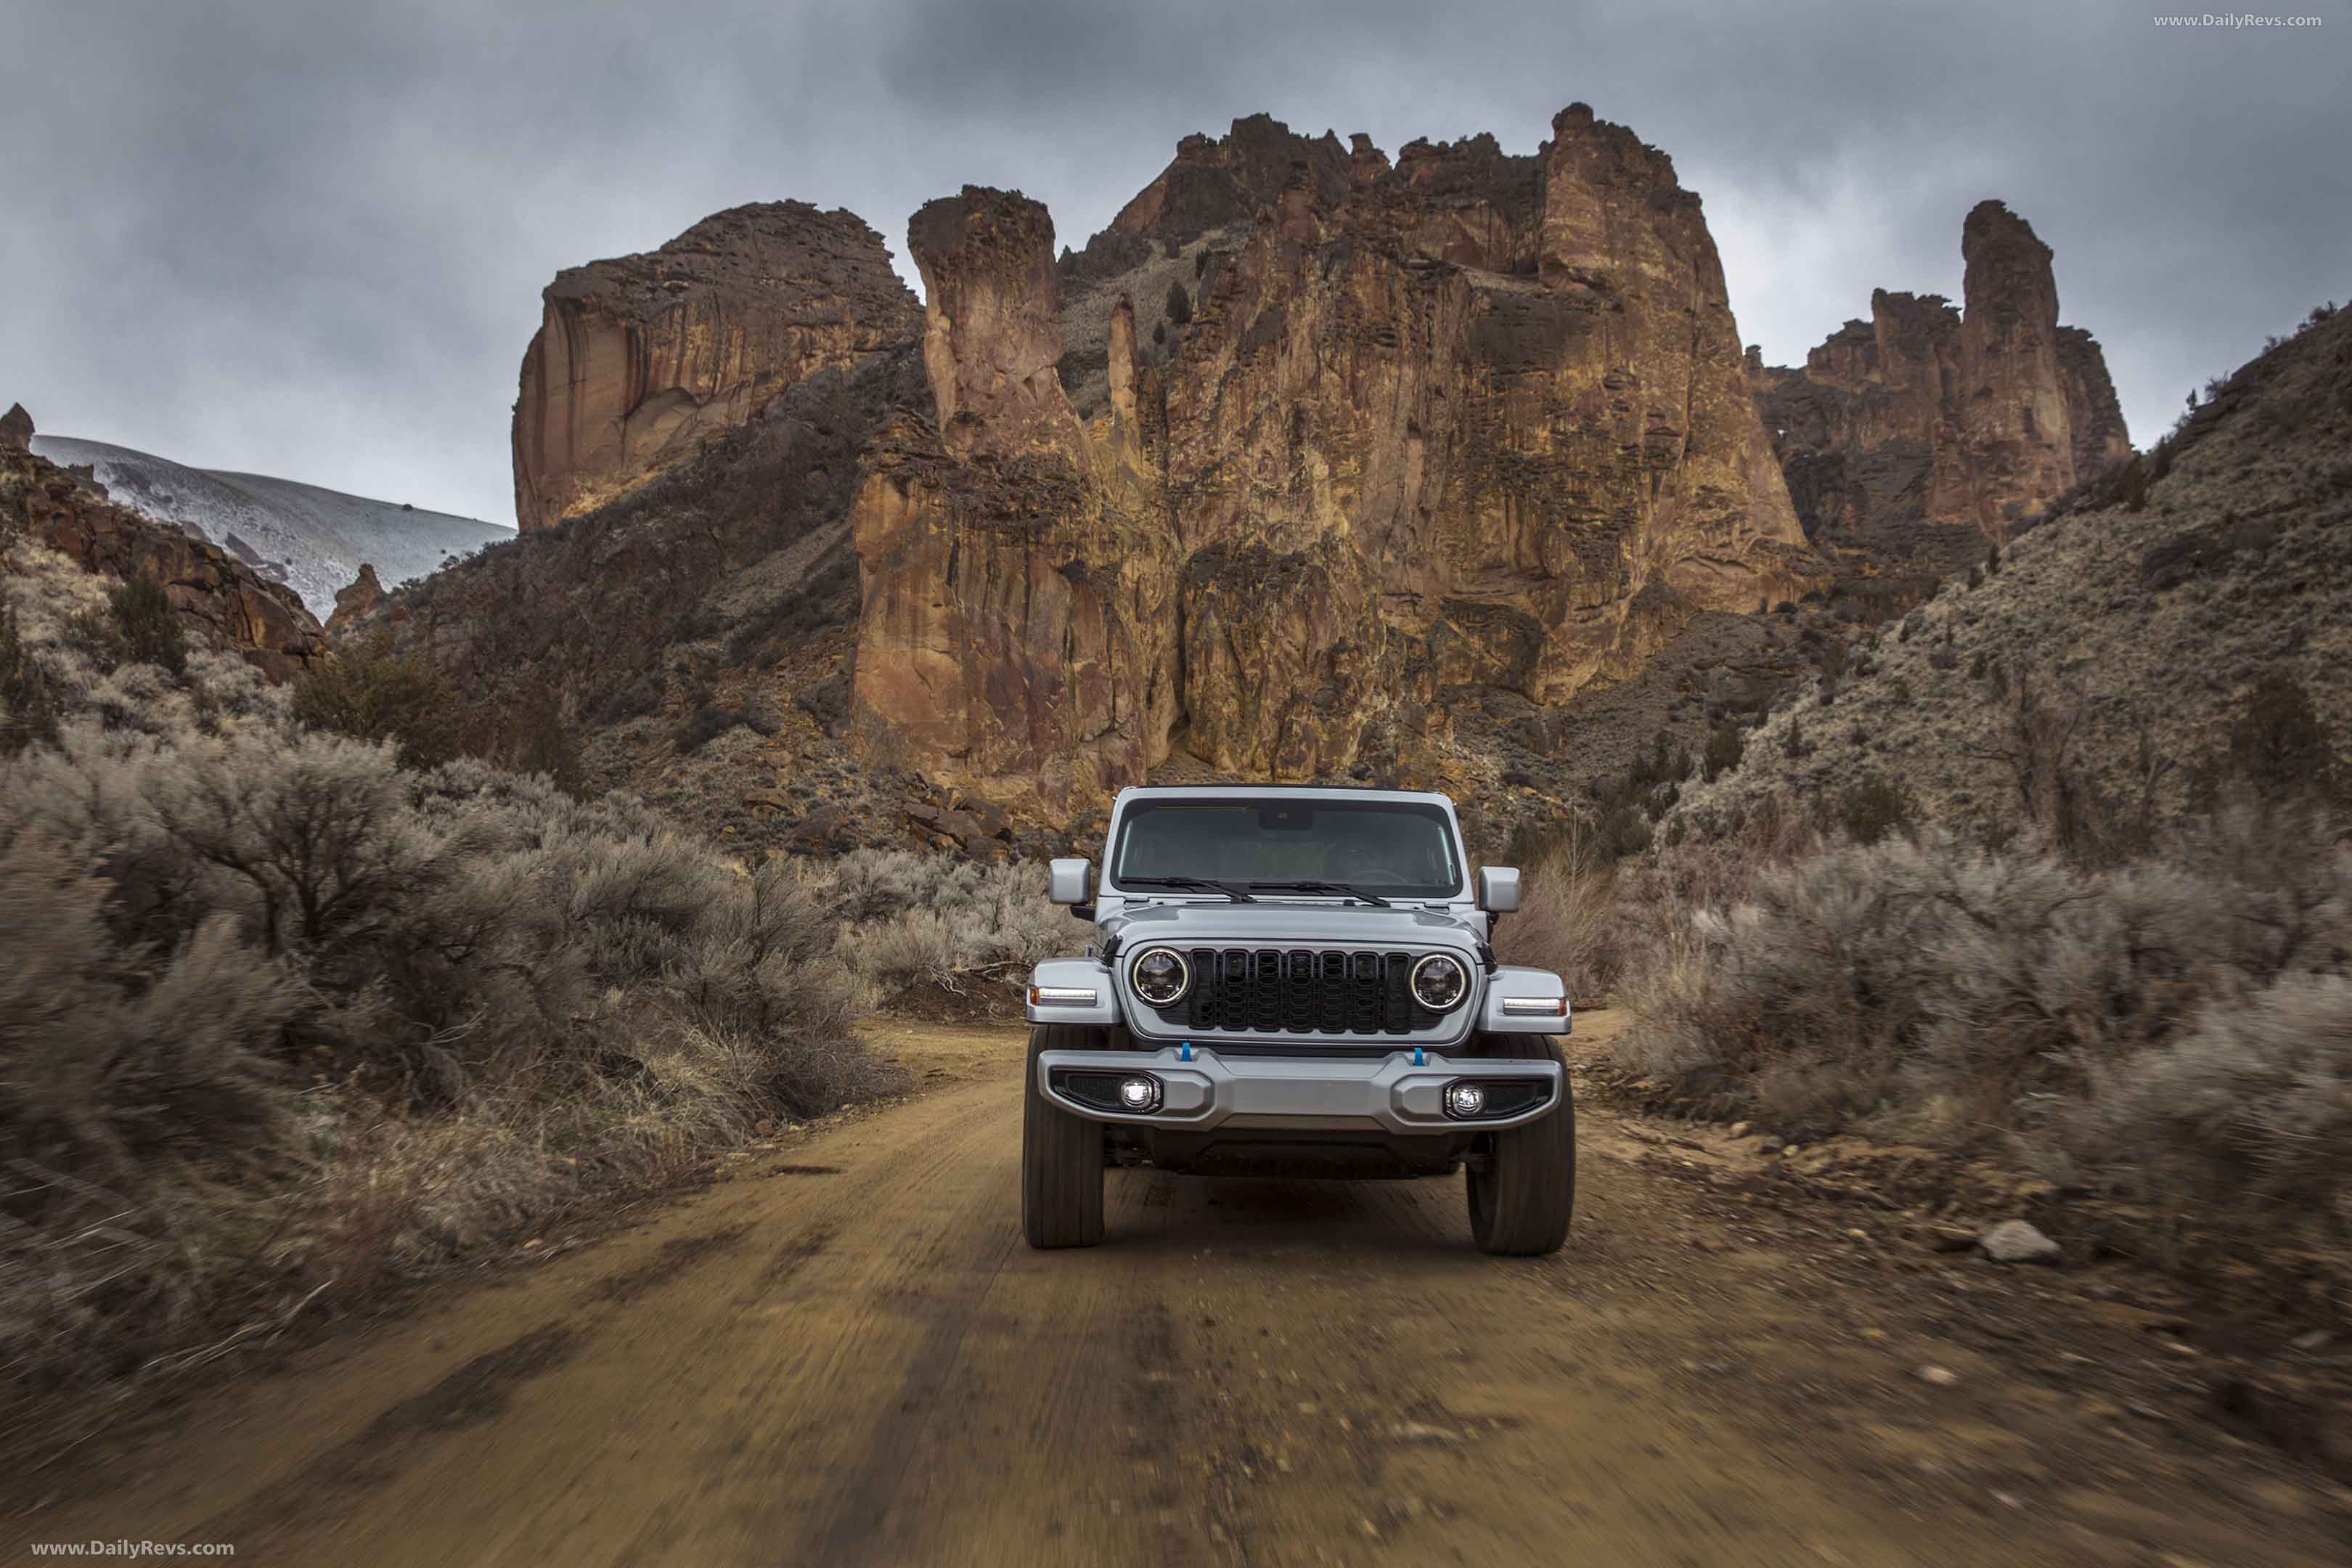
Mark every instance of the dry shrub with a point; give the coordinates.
(929, 924)
(2248, 1113)
(371, 693)
(1569, 918)
(2156, 1025)
(283, 1020)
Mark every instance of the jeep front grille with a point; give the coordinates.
(1298, 992)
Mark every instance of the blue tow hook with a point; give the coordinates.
(1185, 1052)
(1419, 1060)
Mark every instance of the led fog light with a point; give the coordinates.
(1139, 1094)
(1464, 1099)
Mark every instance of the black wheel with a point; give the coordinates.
(1061, 1153)
(1523, 1193)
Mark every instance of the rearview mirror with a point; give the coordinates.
(1498, 889)
(1066, 879)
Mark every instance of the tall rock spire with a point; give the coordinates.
(2015, 421)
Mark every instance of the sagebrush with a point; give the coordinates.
(287, 1016)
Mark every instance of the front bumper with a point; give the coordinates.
(1387, 1093)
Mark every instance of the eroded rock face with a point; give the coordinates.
(1215, 182)
(222, 598)
(2015, 426)
(1016, 575)
(1919, 435)
(2092, 411)
(360, 599)
(991, 323)
(16, 429)
(1472, 418)
(639, 360)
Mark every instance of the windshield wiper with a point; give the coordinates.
(1340, 888)
(1187, 883)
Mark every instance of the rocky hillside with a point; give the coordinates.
(1912, 440)
(224, 601)
(315, 541)
(2112, 649)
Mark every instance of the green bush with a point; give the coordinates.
(371, 693)
(705, 722)
(150, 627)
(2279, 744)
(1180, 304)
(28, 698)
(1725, 744)
(1873, 807)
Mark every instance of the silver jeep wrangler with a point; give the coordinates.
(1294, 982)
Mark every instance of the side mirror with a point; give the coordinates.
(1498, 889)
(1065, 880)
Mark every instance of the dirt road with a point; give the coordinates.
(843, 1353)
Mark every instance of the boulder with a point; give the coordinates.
(16, 429)
(2015, 1241)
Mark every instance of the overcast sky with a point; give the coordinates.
(307, 237)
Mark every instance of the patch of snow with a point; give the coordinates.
(310, 539)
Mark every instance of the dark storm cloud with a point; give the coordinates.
(308, 238)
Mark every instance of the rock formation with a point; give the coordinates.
(1473, 419)
(222, 598)
(1014, 576)
(16, 429)
(1918, 435)
(1313, 465)
(640, 360)
(357, 600)
(1215, 182)
(991, 323)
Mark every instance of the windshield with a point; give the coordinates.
(1390, 847)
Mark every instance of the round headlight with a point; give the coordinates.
(1440, 983)
(1160, 975)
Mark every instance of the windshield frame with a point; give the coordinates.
(1435, 808)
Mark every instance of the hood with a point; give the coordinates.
(1295, 924)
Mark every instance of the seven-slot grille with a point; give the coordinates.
(1302, 991)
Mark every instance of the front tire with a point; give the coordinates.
(1523, 1195)
(1061, 1152)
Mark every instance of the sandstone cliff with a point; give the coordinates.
(1916, 436)
(1474, 419)
(223, 601)
(1016, 575)
(1313, 465)
(640, 360)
